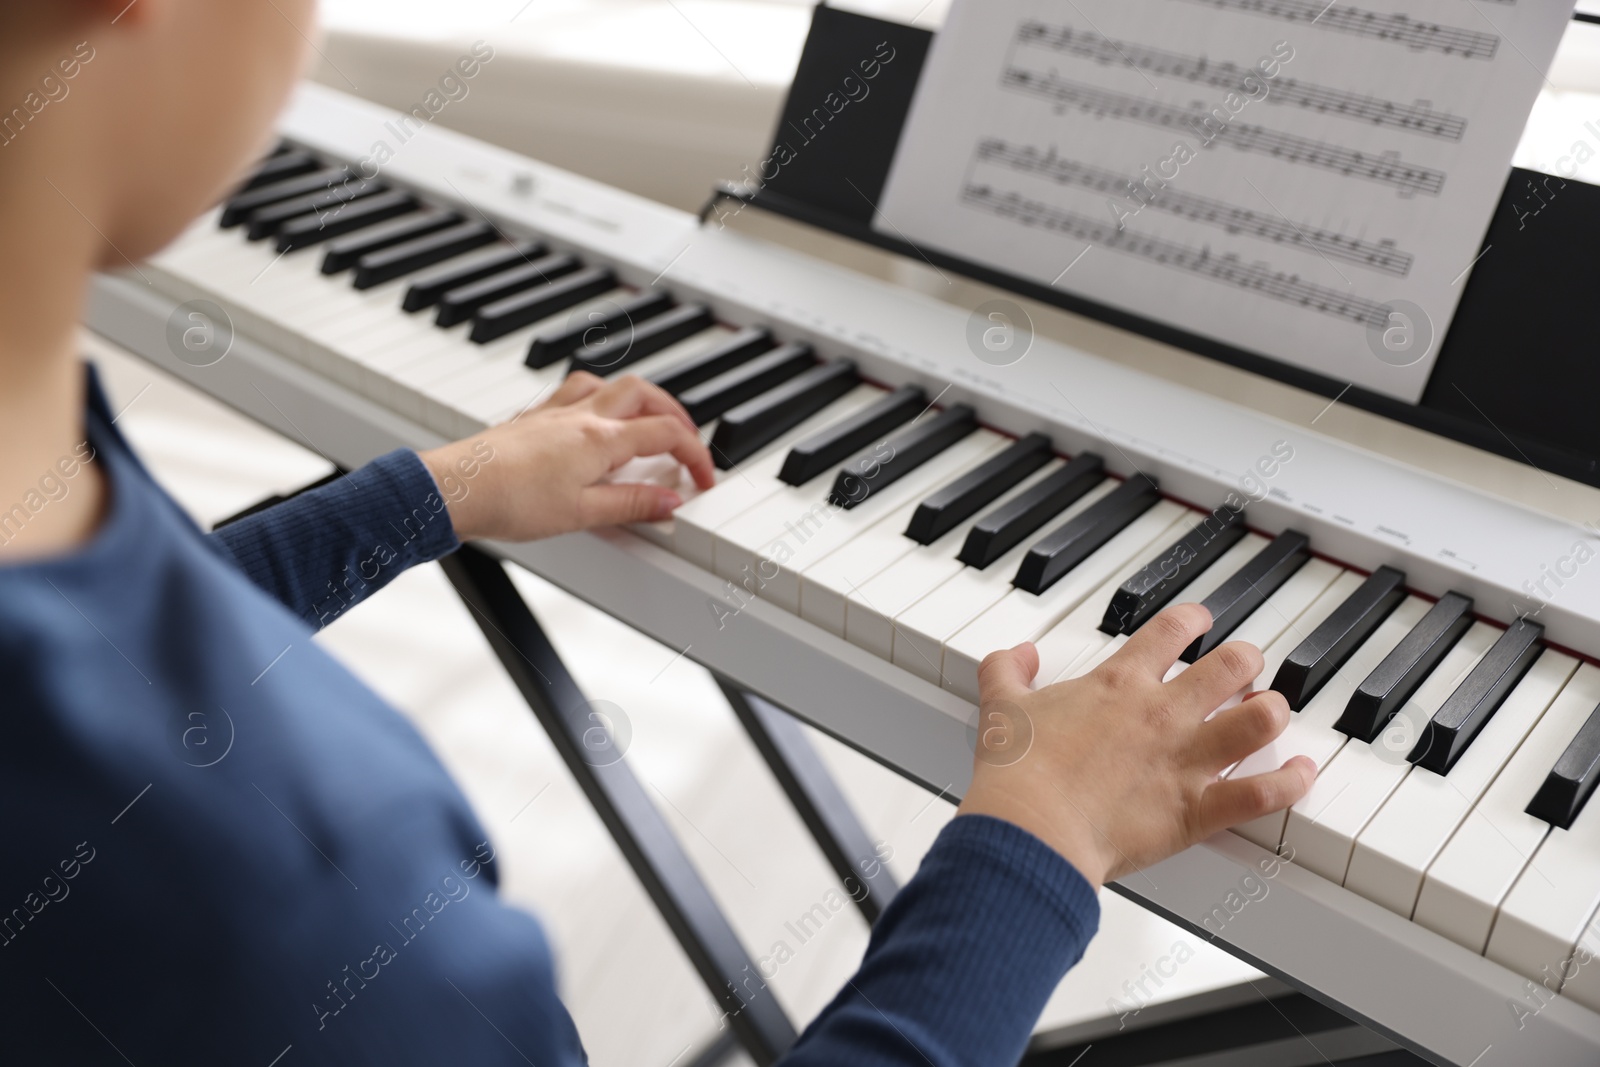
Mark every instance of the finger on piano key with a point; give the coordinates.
(1024, 616)
(1154, 587)
(500, 317)
(783, 537)
(267, 221)
(821, 452)
(1290, 614)
(1075, 540)
(1065, 644)
(450, 385)
(595, 325)
(1310, 732)
(1464, 887)
(864, 478)
(239, 208)
(839, 584)
(1392, 682)
(1324, 824)
(964, 498)
(1570, 783)
(346, 252)
(506, 386)
(349, 218)
(461, 304)
(922, 630)
(752, 426)
(443, 248)
(1409, 831)
(428, 288)
(743, 487)
(717, 396)
(1478, 697)
(1330, 644)
(1241, 595)
(1007, 527)
(637, 340)
(740, 348)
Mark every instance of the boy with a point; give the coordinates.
(325, 893)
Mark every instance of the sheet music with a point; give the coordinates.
(1304, 179)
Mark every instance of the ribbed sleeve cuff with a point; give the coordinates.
(1044, 894)
(398, 486)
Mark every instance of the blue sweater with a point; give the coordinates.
(220, 846)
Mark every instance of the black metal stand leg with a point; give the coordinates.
(823, 808)
(646, 840)
(718, 1052)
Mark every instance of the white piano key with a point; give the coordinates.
(1463, 889)
(1324, 824)
(1022, 616)
(870, 610)
(841, 583)
(1065, 643)
(921, 631)
(1310, 732)
(696, 523)
(1394, 851)
(1582, 973)
(1544, 916)
(782, 537)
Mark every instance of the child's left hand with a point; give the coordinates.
(540, 474)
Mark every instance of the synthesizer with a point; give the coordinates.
(889, 509)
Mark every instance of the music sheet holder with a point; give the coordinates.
(1522, 344)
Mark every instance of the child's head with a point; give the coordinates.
(140, 113)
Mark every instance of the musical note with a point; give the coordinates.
(1239, 136)
(1200, 70)
(1027, 159)
(1402, 29)
(1276, 284)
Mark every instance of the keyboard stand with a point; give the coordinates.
(595, 759)
(826, 812)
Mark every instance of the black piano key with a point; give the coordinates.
(1238, 598)
(459, 305)
(869, 475)
(239, 207)
(495, 320)
(267, 221)
(285, 164)
(1466, 711)
(1571, 781)
(741, 347)
(346, 252)
(550, 348)
(755, 424)
(708, 400)
(1085, 533)
(1316, 658)
(1147, 592)
(978, 488)
(639, 340)
(820, 452)
(1392, 682)
(428, 289)
(1008, 525)
(314, 229)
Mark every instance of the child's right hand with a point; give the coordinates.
(1120, 768)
